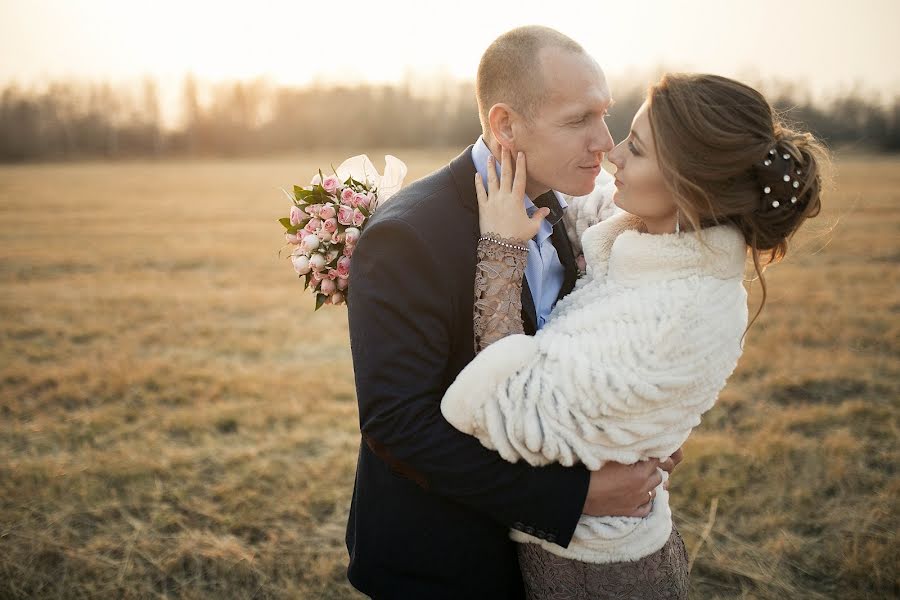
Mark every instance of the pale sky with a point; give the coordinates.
(825, 46)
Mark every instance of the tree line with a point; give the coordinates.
(72, 120)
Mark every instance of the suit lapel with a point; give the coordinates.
(529, 312)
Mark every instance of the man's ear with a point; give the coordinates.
(500, 119)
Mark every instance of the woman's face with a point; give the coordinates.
(640, 188)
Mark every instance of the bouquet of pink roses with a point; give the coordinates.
(327, 218)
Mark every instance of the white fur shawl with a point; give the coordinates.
(624, 368)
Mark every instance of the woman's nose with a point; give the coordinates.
(615, 156)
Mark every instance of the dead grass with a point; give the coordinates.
(164, 433)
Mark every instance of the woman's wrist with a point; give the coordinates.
(512, 243)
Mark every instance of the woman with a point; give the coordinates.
(631, 359)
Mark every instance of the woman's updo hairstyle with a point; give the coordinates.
(728, 158)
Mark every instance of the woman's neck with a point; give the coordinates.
(658, 226)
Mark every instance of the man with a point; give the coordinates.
(432, 507)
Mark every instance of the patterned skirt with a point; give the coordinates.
(657, 576)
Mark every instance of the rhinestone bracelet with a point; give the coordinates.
(499, 242)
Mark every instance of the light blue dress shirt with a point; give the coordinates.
(544, 272)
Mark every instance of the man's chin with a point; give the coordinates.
(582, 190)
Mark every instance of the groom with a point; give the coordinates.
(431, 506)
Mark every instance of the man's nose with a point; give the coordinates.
(603, 141)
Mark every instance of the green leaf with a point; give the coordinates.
(286, 221)
(302, 195)
(320, 300)
(306, 283)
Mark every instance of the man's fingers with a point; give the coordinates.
(643, 510)
(677, 456)
(653, 481)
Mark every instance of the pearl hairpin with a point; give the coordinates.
(795, 184)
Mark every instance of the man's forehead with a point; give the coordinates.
(570, 99)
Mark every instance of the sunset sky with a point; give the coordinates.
(827, 46)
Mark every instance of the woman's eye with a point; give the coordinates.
(632, 148)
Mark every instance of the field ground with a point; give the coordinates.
(167, 432)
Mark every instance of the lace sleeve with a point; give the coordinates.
(498, 291)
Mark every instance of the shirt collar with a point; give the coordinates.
(480, 153)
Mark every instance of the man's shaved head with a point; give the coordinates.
(510, 70)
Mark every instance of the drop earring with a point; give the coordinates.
(677, 226)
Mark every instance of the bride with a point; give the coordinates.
(630, 360)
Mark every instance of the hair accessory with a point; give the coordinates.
(774, 175)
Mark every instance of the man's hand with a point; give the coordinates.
(621, 490)
(670, 463)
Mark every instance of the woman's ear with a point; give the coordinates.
(500, 120)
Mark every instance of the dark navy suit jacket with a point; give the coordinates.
(431, 506)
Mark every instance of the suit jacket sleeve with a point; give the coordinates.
(401, 319)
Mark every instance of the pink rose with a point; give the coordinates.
(345, 215)
(313, 210)
(337, 298)
(360, 199)
(330, 225)
(351, 235)
(327, 212)
(347, 195)
(331, 255)
(316, 180)
(331, 184)
(358, 217)
(328, 287)
(343, 266)
(348, 250)
(337, 237)
(313, 225)
(342, 283)
(297, 215)
(323, 235)
(292, 238)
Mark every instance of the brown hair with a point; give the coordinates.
(510, 70)
(714, 138)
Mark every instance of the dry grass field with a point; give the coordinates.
(167, 432)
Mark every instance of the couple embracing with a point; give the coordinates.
(521, 408)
